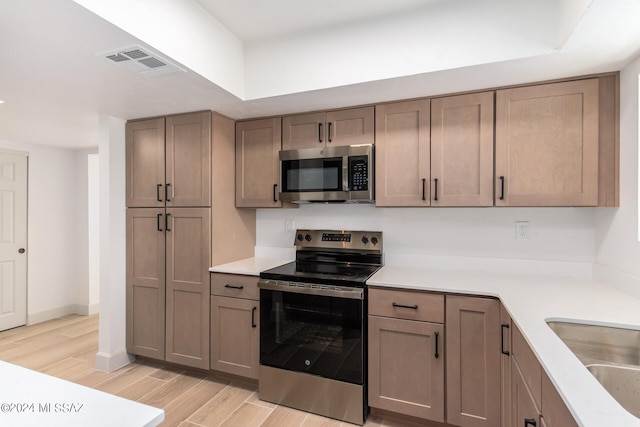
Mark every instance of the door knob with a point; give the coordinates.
(21, 250)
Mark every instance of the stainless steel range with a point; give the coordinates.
(313, 324)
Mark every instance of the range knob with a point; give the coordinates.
(300, 237)
(307, 237)
(374, 240)
(365, 239)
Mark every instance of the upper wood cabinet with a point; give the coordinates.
(547, 140)
(462, 150)
(403, 153)
(332, 128)
(168, 161)
(258, 143)
(473, 361)
(435, 152)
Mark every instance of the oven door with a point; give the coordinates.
(313, 329)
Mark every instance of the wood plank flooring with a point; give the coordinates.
(66, 348)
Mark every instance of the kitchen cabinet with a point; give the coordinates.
(462, 150)
(258, 143)
(168, 161)
(435, 152)
(406, 353)
(403, 153)
(547, 143)
(533, 397)
(326, 129)
(473, 361)
(505, 367)
(169, 248)
(168, 254)
(235, 324)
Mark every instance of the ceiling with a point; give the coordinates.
(251, 58)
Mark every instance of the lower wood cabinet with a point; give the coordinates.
(235, 325)
(406, 367)
(168, 254)
(473, 361)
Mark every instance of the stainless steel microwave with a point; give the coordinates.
(331, 174)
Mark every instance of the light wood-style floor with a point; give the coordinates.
(66, 348)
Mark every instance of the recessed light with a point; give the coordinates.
(1, 101)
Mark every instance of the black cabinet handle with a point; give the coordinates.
(253, 317)
(166, 222)
(435, 195)
(530, 422)
(329, 132)
(233, 287)
(275, 186)
(412, 307)
(167, 191)
(502, 328)
(320, 132)
(423, 189)
(502, 188)
(159, 222)
(437, 334)
(158, 191)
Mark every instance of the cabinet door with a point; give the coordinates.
(473, 361)
(405, 375)
(145, 177)
(188, 160)
(403, 154)
(188, 291)
(547, 145)
(235, 336)
(350, 127)
(462, 150)
(554, 410)
(257, 164)
(505, 366)
(303, 131)
(145, 282)
(524, 411)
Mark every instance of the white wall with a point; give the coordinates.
(617, 247)
(54, 259)
(557, 234)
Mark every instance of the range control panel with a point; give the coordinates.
(339, 239)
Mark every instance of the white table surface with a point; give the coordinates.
(532, 300)
(29, 398)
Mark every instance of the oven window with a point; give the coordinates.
(312, 175)
(318, 335)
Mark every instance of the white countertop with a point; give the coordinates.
(249, 266)
(29, 398)
(532, 300)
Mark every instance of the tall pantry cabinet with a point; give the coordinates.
(181, 219)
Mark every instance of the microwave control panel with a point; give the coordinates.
(358, 173)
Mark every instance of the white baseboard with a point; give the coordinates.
(43, 316)
(111, 362)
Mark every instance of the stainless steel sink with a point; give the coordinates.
(611, 355)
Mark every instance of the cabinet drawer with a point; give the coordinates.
(403, 304)
(528, 364)
(235, 285)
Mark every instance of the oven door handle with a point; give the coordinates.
(312, 289)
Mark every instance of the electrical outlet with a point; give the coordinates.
(289, 225)
(522, 230)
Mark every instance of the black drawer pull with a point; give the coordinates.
(502, 328)
(233, 287)
(424, 180)
(167, 218)
(158, 191)
(253, 317)
(435, 195)
(275, 187)
(167, 191)
(502, 188)
(412, 307)
(530, 422)
(319, 132)
(329, 132)
(159, 222)
(437, 334)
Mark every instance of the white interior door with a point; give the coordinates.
(13, 240)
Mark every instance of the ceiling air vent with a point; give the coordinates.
(141, 61)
